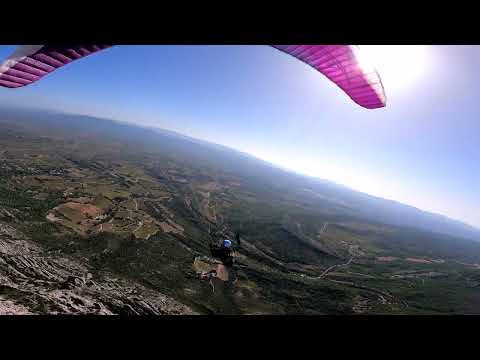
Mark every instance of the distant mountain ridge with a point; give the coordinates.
(360, 204)
(384, 210)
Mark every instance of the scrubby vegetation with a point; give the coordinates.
(139, 204)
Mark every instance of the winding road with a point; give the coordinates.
(325, 273)
(324, 228)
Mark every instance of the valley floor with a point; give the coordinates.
(91, 225)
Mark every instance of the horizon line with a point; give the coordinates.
(248, 154)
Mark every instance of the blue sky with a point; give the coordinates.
(422, 150)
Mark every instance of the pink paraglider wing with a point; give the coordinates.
(30, 63)
(341, 64)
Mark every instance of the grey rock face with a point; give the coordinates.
(34, 282)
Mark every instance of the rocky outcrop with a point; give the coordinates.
(33, 281)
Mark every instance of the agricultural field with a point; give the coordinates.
(127, 203)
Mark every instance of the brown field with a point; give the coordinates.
(171, 227)
(75, 216)
(234, 183)
(417, 260)
(387, 258)
(74, 210)
(145, 231)
(209, 186)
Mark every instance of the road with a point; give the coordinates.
(328, 270)
(324, 228)
(140, 224)
(325, 273)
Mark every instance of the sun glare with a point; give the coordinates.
(399, 66)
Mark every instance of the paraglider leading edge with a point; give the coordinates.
(339, 63)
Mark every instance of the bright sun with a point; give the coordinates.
(399, 66)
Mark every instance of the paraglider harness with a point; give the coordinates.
(221, 250)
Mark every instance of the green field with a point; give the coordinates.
(308, 251)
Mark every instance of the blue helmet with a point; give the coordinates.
(227, 244)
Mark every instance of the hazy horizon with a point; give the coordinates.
(279, 166)
(419, 151)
